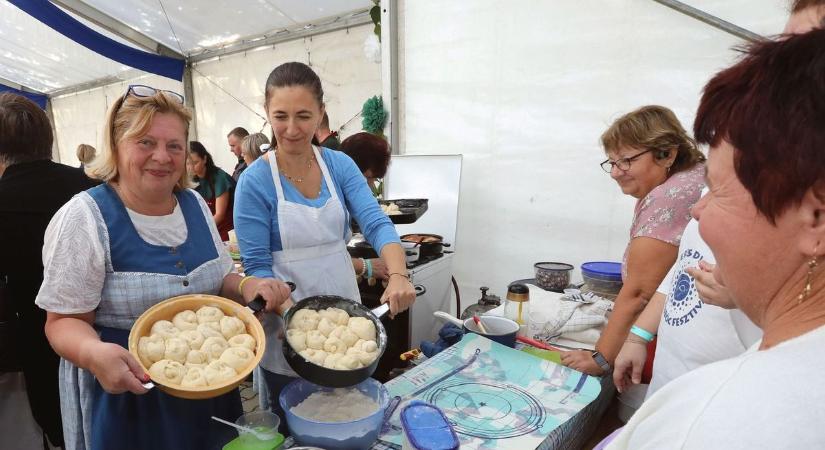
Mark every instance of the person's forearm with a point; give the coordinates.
(626, 309)
(221, 207)
(72, 336)
(229, 288)
(651, 316)
(393, 256)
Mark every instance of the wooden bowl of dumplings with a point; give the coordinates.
(220, 381)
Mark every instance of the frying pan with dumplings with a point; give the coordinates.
(333, 377)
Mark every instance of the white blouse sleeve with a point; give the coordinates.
(74, 265)
(223, 252)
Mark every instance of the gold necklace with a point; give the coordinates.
(298, 179)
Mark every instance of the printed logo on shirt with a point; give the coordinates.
(683, 302)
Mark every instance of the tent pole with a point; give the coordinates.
(55, 145)
(712, 20)
(389, 70)
(189, 98)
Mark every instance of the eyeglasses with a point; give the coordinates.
(623, 164)
(140, 90)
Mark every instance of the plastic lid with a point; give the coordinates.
(426, 427)
(612, 270)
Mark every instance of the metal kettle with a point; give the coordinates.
(485, 303)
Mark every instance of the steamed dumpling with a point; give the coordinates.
(210, 329)
(347, 362)
(331, 360)
(335, 345)
(363, 357)
(151, 349)
(196, 358)
(192, 337)
(325, 326)
(176, 350)
(237, 358)
(209, 314)
(335, 315)
(366, 346)
(186, 320)
(305, 319)
(363, 327)
(214, 347)
(345, 334)
(315, 339)
(165, 329)
(167, 372)
(314, 356)
(243, 340)
(297, 339)
(231, 326)
(194, 377)
(217, 372)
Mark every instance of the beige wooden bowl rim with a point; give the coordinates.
(185, 302)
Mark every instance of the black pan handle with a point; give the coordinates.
(445, 244)
(258, 303)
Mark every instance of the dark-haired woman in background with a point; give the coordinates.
(214, 185)
(371, 154)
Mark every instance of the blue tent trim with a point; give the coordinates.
(40, 99)
(60, 21)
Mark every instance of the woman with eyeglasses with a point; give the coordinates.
(652, 159)
(292, 215)
(114, 251)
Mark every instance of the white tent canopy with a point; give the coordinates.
(41, 59)
(521, 89)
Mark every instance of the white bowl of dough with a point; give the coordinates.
(197, 346)
(335, 418)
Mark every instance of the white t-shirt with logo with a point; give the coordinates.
(769, 399)
(692, 333)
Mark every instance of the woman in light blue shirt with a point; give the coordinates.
(293, 209)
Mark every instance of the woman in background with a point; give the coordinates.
(85, 154)
(253, 146)
(214, 185)
(652, 159)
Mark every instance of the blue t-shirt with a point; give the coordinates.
(256, 206)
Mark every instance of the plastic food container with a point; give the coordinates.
(553, 276)
(602, 278)
(427, 428)
(355, 435)
(266, 424)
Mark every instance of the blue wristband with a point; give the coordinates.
(642, 333)
(369, 268)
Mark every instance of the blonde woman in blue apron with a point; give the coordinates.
(114, 251)
(292, 214)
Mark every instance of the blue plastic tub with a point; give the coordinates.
(602, 278)
(355, 435)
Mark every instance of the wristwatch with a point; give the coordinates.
(601, 361)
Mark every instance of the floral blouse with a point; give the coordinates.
(664, 212)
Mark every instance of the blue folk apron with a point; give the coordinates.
(139, 275)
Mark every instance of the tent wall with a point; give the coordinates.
(348, 79)
(347, 76)
(79, 117)
(524, 90)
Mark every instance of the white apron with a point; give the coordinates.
(314, 256)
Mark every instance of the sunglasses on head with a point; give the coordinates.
(140, 90)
